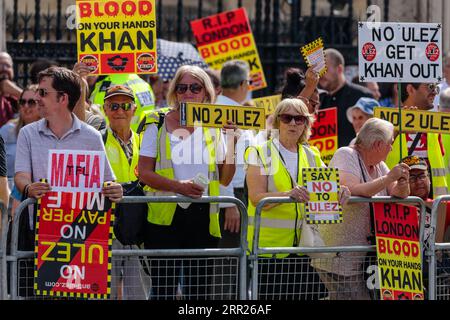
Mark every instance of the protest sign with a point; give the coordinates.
(324, 133)
(400, 52)
(398, 251)
(117, 36)
(416, 120)
(268, 103)
(73, 245)
(314, 56)
(323, 186)
(228, 36)
(76, 170)
(216, 116)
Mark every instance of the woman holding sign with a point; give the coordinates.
(275, 170)
(363, 171)
(190, 162)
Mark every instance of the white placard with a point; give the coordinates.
(400, 52)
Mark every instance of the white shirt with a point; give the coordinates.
(189, 156)
(442, 86)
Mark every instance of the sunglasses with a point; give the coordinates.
(287, 118)
(433, 87)
(249, 81)
(182, 88)
(30, 102)
(116, 106)
(42, 92)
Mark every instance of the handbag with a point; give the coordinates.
(130, 218)
(310, 237)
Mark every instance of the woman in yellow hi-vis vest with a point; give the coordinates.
(171, 157)
(275, 170)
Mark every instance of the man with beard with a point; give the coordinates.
(341, 93)
(424, 145)
(9, 91)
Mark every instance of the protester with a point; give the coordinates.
(9, 91)
(28, 113)
(159, 87)
(143, 93)
(341, 94)
(59, 90)
(275, 170)
(170, 226)
(38, 66)
(424, 145)
(389, 95)
(363, 171)
(302, 86)
(360, 113)
(446, 82)
(122, 149)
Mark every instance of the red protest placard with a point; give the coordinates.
(324, 133)
(398, 251)
(73, 245)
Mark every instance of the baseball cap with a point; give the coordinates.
(366, 105)
(414, 162)
(119, 90)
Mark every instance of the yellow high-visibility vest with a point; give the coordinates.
(280, 225)
(438, 169)
(162, 213)
(446, 144)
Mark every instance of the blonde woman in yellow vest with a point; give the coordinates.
(170, 157)
(275, 170)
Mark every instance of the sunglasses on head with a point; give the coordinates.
(116, 106)
(30, 102)
(42, 92)
(193, 87)
(287, 118)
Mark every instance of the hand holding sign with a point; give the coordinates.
(113, 191)
(37, 189)
(299, 194)
(312, 77)
(344, 195)
(81, 69)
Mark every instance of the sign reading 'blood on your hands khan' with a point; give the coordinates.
(323, 186)
(324, 133)
(74, 228)
(398, 251)
(400, 52)
(228, 36)
(117, 36)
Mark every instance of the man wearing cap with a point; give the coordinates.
(122, 149)
(360, 113)
(424, 145)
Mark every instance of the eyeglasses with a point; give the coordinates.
(414, 179)
(30, 102)
(287, 118)
(181, 88)
(433, 87)
(249, 81)
(42, 92)
(116, 106)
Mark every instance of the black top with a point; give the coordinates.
(2, 158)
(345, 98)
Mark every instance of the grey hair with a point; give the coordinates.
(374, 130)
(444, 100)
(233, 73)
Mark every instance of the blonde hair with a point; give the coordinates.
(20, 123)
(301, 108)
(374, 130)
(198, 74)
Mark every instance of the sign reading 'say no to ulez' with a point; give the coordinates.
(400, 52)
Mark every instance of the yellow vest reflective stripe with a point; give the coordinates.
(143, 94)
(123, 171)
(162, 213)
(438, 171)
(446, 144)
(278, 225)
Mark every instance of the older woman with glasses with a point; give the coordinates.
(275, 170)
(187, 161)
(28, 113)
(363, 171)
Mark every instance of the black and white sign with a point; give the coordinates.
(400, 52)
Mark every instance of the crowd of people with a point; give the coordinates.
(136, 122)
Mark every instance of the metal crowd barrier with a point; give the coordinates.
(3, 248)
(439, 276)
(212, 258)
(291, 269)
